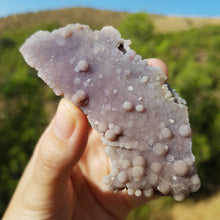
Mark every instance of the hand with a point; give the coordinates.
(63, 179)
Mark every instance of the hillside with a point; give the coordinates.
(92, 17)
(97, 19)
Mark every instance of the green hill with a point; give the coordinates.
(92, 17)
(97, 19)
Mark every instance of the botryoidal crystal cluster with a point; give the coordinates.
(143, 122)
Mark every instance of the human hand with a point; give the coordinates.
(63, 179)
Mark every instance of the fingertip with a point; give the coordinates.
(68, 119)
(64, 122)
(78, 140)
(159, 63)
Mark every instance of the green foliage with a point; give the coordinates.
(139, 213)
(137, 27)
(22, 110)
(6, 43)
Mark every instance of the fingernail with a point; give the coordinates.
(64, 120)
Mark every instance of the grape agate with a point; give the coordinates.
(143, 122)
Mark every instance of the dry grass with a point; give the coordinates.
(97, 18)
(174, 24)
(206, 209)
(166, 209)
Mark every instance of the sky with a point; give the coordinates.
(196, 8)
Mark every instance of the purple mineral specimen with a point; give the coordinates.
(143, 122)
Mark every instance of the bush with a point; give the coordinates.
(22, 111)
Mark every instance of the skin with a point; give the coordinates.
(63, 179)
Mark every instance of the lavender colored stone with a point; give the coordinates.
(143, 122)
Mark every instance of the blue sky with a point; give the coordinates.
(201, 8)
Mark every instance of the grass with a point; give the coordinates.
(206, 209)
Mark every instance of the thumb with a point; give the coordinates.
(45, 180)
(61, 146)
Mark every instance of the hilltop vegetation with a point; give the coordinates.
(92, 17)
(96, 19)
(26, 104)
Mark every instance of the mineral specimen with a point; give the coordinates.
(143, 122)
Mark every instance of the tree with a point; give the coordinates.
(137, 27)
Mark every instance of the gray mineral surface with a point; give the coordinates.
(143, 122)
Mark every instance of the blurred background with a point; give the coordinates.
(186, 35)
